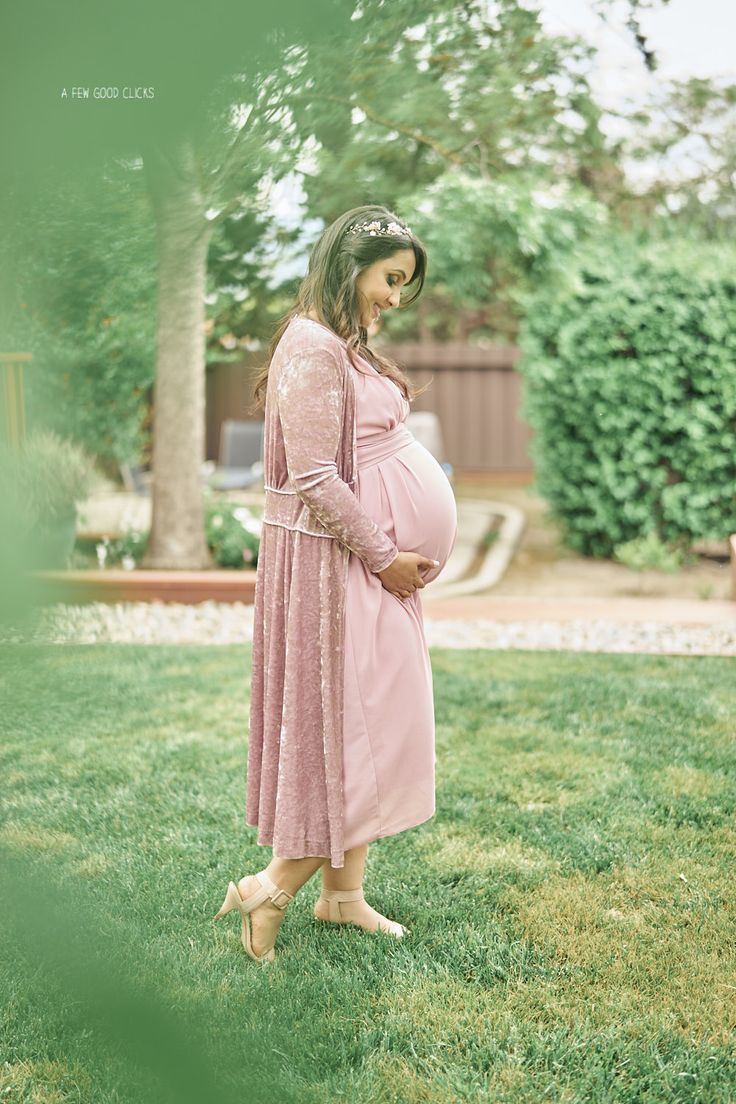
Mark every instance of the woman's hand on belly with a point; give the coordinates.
(402, 577)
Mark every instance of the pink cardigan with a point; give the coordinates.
(313, 519)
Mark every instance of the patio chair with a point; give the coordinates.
(136, 479)
(241, 456)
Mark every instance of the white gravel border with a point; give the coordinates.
(232, 623)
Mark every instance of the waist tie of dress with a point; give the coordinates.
(283, 506)
(379, 446)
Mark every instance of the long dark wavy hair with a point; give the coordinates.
(329, 291)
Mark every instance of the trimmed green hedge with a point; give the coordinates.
(630, 385)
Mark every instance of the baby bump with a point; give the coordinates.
(412, 500)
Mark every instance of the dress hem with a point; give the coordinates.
(291, 848)
(304, 851)
(386, 832)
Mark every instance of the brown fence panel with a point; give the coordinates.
(475, 391)
(229, 393)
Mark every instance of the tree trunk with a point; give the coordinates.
(177, 537)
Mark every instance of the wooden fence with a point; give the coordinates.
(475, 392)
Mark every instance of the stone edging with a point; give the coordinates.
(113, 585)
(497, 557)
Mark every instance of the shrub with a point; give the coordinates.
(51, 476)
(86, 273)
(233, 533)
(649, 552)
(630, 385)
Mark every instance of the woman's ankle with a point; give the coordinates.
(292, 874)
(328, 887)
(250, 884)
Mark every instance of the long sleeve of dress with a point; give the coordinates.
(310, 405)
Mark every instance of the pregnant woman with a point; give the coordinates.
(359, 517)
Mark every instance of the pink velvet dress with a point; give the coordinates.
(388, 729)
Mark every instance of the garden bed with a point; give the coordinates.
(111, 585)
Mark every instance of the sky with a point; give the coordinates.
(691, 38)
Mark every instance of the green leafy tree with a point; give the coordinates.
(491, 241)
(247, 90)
(461, 109)
(691, 125)
(456, 116)
(204, 138)
(86, 293)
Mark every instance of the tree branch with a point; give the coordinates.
(422, 139)
(218, 178)
(390, 124)
(229, 165)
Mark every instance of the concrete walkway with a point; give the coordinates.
(654, 626)
(503, 608)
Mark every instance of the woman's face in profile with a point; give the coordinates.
(379, 285)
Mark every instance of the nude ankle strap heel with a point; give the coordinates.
(333, 898)
(268, 892)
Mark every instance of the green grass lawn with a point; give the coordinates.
(571, 904)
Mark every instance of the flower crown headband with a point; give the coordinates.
(376, 229)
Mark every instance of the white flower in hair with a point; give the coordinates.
(375, 228)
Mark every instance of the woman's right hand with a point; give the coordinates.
(402, 577)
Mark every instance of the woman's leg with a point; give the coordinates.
(350, 876)
(292, 874)
(288, 874)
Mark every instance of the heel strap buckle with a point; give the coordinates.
(276, 898)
